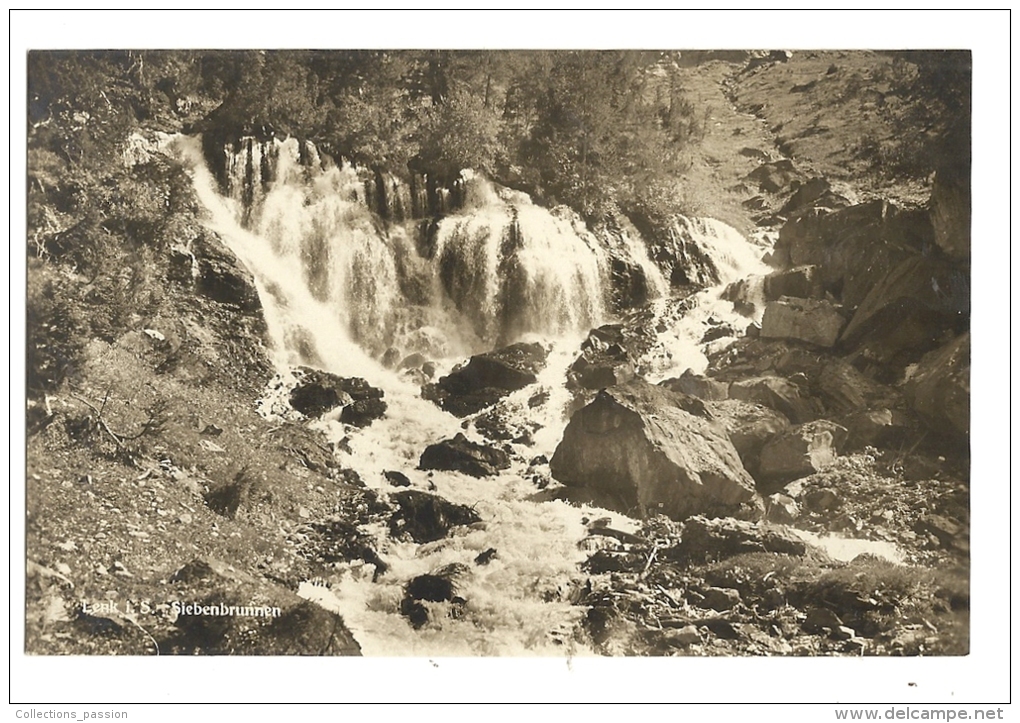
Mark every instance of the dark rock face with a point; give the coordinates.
(910, 311)
(318, 392)
(815, 321)
(363, 412)
(222, 277)
(939, 390)
(426, 518)
(853, 246)
(653, 451)
(487, 378)
(460, 455)
(801, 451)
(292, 626)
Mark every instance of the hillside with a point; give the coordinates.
(305, 362)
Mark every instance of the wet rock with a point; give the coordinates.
(605, 360)
(939, 389)
(655, 451)
(460, 455)
(487, 378)
(749, 427)
(698, 386)
(397, 479)
(804, 282)
(339, 540)
(801, 451)
(240, 614)
(503, 425)
(779, 394)
(485, 557)
(437, 587)
(703, 539)
(222, 277)
(317, 392)
(816, 321)
(426, 518)
(363, 412)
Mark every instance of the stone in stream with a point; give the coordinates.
(427, 518)
(461, 455)
(649, 451)
(606, 359)
(440, 586)
(318, 392)
(487, 378)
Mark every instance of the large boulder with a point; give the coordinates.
(461, 455)
(800, 281)
(801, 451)
(698, 386)
(608, 356)
(653, 451)
(317, 392)
(487, 378)
(910, 310)
(749, 427)
(939, 389)
(816, 321)
(427, 518)
(779, 394)
(854, 245)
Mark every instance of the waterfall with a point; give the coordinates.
(346, 271)
(718, 256)
(495, 269)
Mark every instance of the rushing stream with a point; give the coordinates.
(340, 288)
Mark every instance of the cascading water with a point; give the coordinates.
(730, 258)
(340, 286)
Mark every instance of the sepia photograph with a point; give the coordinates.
(466, 353)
